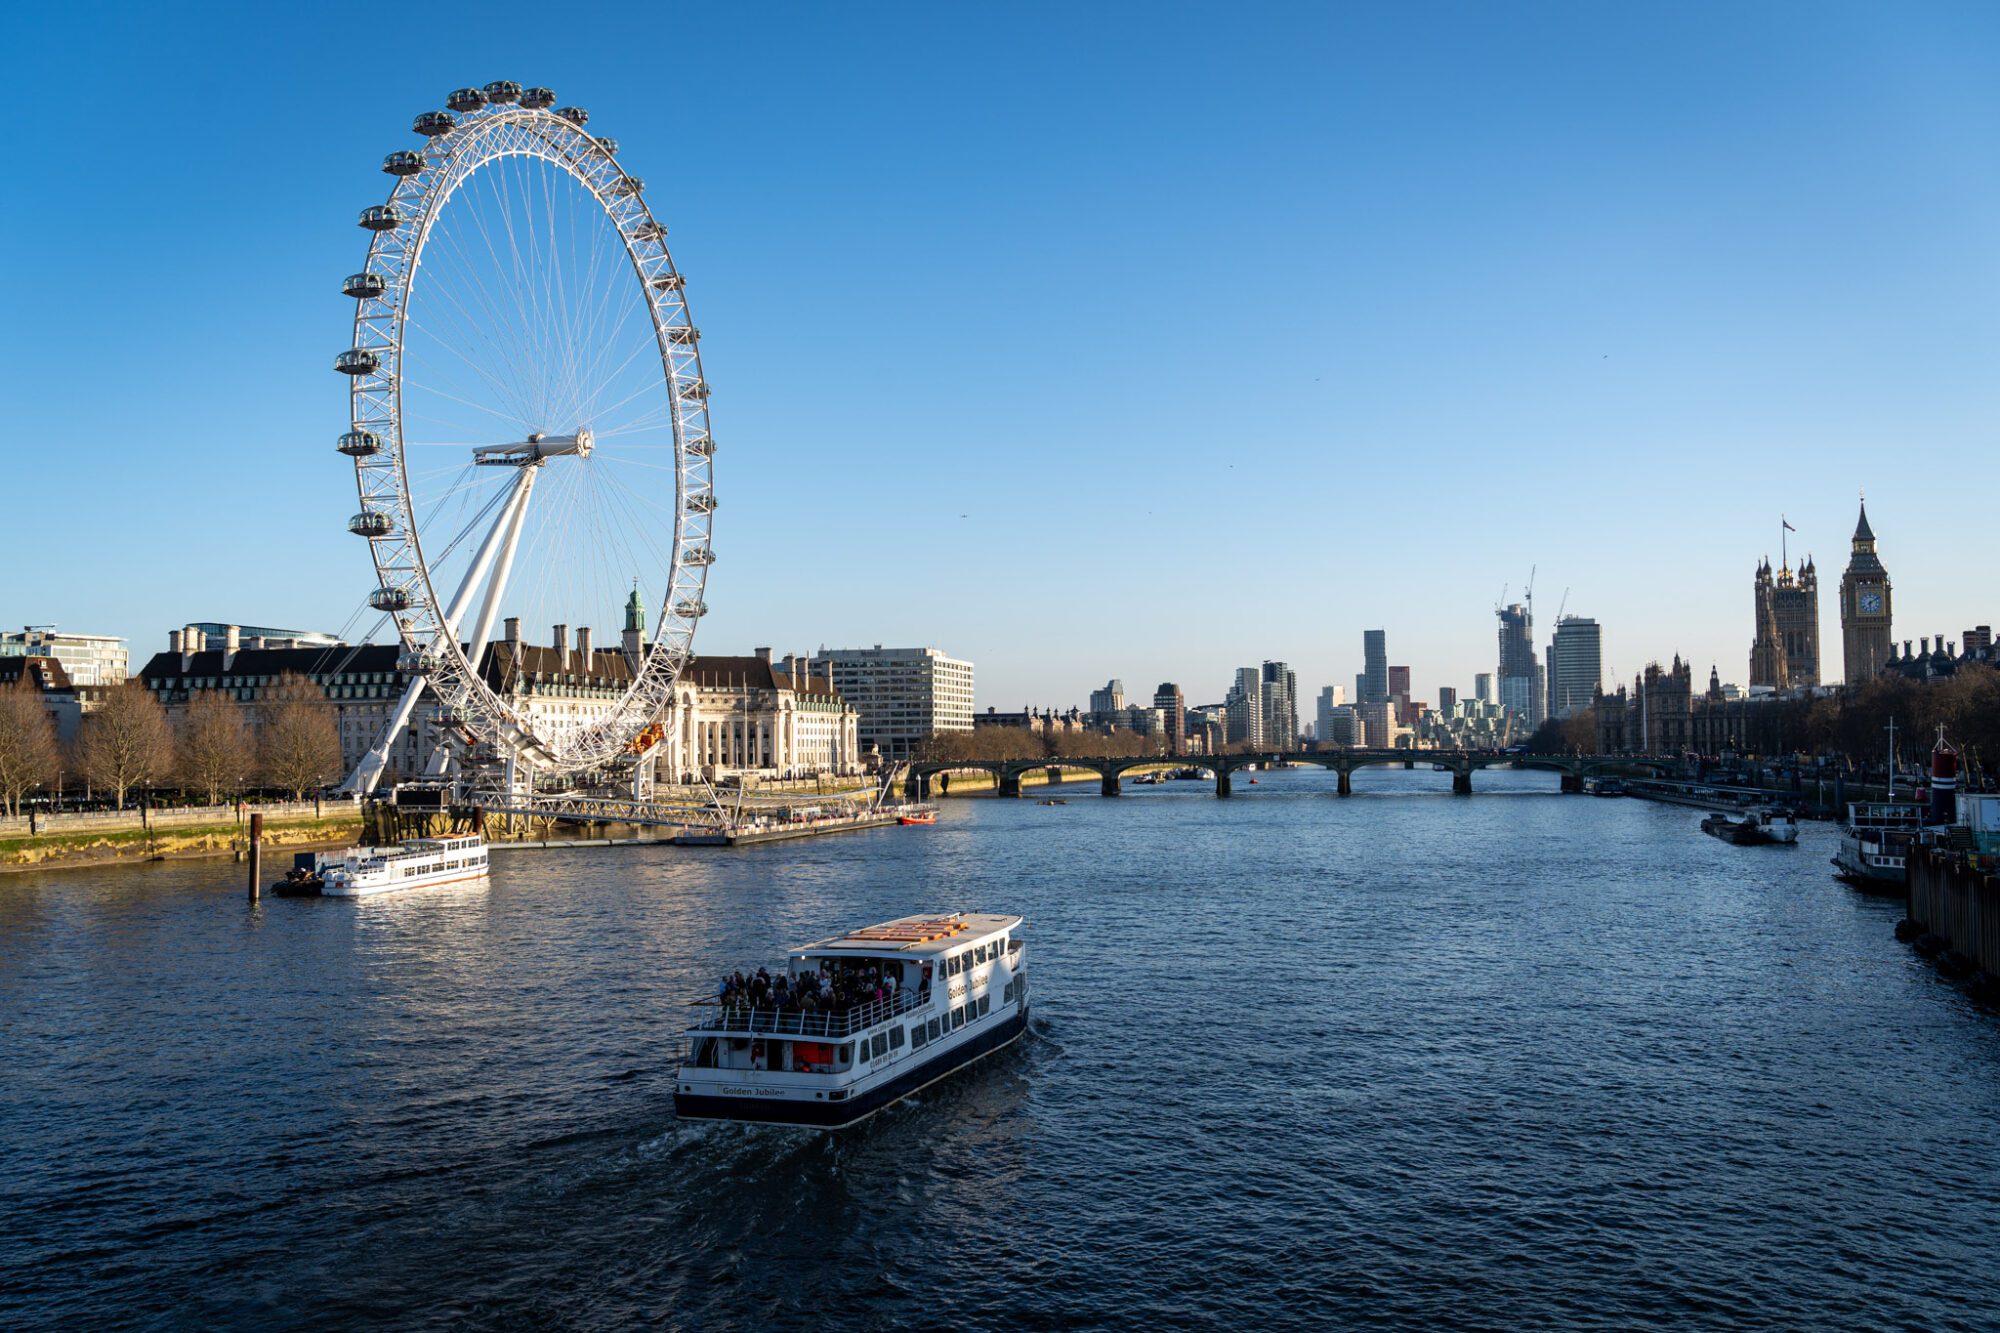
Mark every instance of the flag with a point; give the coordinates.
(1788, 526)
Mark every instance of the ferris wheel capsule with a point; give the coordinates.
(433, 123)
(649, 230)
(463, 100)
(403, 162)
(357, 361)
(360, 444)
(503, 91)
(363, 286)
(389, 599)
(575, 115)
(703, 503)
(381, 217)
(683, 335)
(536, 98)
(670, 282)
(371, 523)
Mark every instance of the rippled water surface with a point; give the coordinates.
(1516, 1061)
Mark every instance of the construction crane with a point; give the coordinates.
(1562, 606)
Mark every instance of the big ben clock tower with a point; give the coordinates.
(1864, 608)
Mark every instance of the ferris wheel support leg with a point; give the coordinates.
(369, 771)
(497, 588)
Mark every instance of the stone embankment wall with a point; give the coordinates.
(103, 837)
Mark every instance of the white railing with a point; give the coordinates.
(733, 1017)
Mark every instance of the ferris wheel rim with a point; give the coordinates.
(460, 148)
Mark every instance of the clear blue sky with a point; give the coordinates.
(1082, 341)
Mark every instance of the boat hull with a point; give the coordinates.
(839, 1115)
(333, 889)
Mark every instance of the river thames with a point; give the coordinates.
(1514, 1061)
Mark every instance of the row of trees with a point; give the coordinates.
(289, 741)
(1852, 723)
(987, 743)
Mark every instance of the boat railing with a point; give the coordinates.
(728, 1016)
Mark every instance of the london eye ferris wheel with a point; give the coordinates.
(530, 431)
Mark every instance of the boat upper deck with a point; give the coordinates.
(913, 936)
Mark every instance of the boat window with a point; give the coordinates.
(985, 1004)
(917, 1037)
(958, 1018)
(1007, 994)
(895, 1039)
(932, 1028)
(880, 1044)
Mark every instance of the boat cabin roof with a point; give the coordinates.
(921, 936)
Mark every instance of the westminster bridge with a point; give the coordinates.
(1461, 764)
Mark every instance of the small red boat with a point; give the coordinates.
(920, 815)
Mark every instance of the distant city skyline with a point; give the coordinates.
(1697, 286)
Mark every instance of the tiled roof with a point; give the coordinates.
(46, 673)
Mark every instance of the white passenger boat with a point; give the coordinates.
(1876, 841)
(417, 863)
(860, 1021)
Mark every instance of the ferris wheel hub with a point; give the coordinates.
(535, 448)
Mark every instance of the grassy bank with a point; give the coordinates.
(61, 850)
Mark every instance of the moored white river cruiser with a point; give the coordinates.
(857, 1022)
(417, 863)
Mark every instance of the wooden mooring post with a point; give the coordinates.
(256, 857)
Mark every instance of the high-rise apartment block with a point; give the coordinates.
(1245, 705)
(1110, 699)
(1280, 689)
(903, 695)
(1521, 685)
(1576, 665)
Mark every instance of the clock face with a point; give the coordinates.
(1869, 603)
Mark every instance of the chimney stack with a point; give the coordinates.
(512, 633)
(584, 659)
(232, 638)
(173, 641)
(193, 640)
(763, 655)
(562, 646)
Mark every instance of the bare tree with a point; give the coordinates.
(125, 741)
(29, 755)
(215, 754)
(299, 739)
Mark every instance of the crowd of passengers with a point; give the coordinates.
(829, 991)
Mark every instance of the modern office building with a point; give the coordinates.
(1173, 707)
(1110, 699)
(1447, 699)
(903, 695)
(87, 659)
(1576, 665)
(1482, 687)
(1375, 665)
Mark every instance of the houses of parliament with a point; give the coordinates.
(1785, 653)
